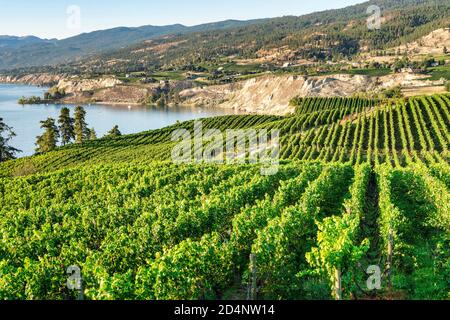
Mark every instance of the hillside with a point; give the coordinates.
(332, 182)
(141, 227)
(431, 44)
(271, 94)
(331, 34)
(327, 129)
(11, 42)
(31, 51)
(324, 36)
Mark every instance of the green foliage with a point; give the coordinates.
(30, 100)
(66, 126)
(92, 134)
(54, 93)
(114, 132)
(80, 126)
(415, 218)
(280, 247)
(392, 93)
(7, 152)
(438, 73)
(336, 247)
(48, 140)
(190, 270)
(355, 130)
(141, 227)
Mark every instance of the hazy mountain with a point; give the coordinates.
(338, 31)
(322, 36)
(12, 42)
(32, 51)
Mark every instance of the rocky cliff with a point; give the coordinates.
(271, 94)
(37, 79)
(118, 94)
(80, 85)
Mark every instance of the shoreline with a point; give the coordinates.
(24, 84)
(70, 101)
(44, 80)
(133, 105)
(267, 94)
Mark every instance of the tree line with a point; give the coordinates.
(7, 152)
(68, 130)
(65, 131)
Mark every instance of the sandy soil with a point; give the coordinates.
(414, 91)
(432, 43)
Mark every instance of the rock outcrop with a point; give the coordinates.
(272, 94)
(431, 44)
(80, 85)
(118, 94)
(269, 94)
(37, 79)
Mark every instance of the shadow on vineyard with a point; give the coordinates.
(359, 209)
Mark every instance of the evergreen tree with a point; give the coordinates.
(80, 126)
(6, 134)
(114, 132)
(92, 134)
(48, 140)
(22, 100)
(66, 126)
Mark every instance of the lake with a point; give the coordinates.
(25, 120)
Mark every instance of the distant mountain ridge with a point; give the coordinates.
(32, 51)
(319, 35)
(13, 42)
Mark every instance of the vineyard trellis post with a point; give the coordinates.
(390, 256)
(252, 291)
(337, 284)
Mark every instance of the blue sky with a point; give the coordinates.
(48, 18)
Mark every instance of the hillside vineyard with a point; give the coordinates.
(346, 130)
(361, 183)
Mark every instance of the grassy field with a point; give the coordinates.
(369, 72)
(438, 73)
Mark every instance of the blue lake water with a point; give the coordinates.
(25, 120)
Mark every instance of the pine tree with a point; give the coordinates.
(48, 140)
(80, 126)
(66, 126)
(6, 134)
(92, 134)
(114, 132)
